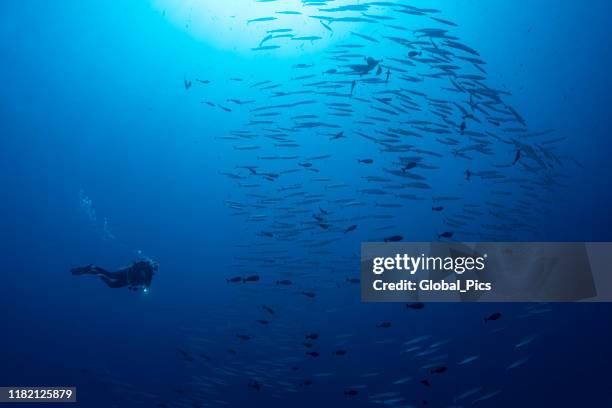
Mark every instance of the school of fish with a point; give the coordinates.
(396, 124)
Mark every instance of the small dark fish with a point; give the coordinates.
(426, 383)
(517, 157)
(394, 238)
(243, 337)
(312, 336)
(351, 228)
(313, 354)
(351, 392)
(384, 325)
(324, 212)
(493, 317)
(353, 86)
(337, 136)
(305, 164)
(309, 294)
(388, 75)
(187, 83)
(307, 344)
(330, 71)
(268, 309)
(265, 47)
(365, 161)
(235, 279)
(256, 385)
(416, 306)
(232, 351)
(261, 321)
(353, 280)
(372, 62)
(339, 352)
(446, 234)
(182, 352)
(409, 166)
(439, 20)
(284, 282)
(438, 370)
(323, 226)
(468, 175)
(438, 208)
(413, 54)
(206, 357)
(252, 278)
(305, 383)
(307, 38)
(379, 70)
(203, 81)
(462, 127)
(257, 20)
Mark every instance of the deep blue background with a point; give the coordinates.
(92, 99)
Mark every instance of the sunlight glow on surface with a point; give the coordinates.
(224, 24)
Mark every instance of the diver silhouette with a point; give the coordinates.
(135, 277)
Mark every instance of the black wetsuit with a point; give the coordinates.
(136, 276)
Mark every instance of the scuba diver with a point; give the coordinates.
(136, 276)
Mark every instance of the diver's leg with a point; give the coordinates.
(103, 272)
(91, 270)
(83, 270)
(112, 283)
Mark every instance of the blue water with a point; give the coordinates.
(106, 157)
